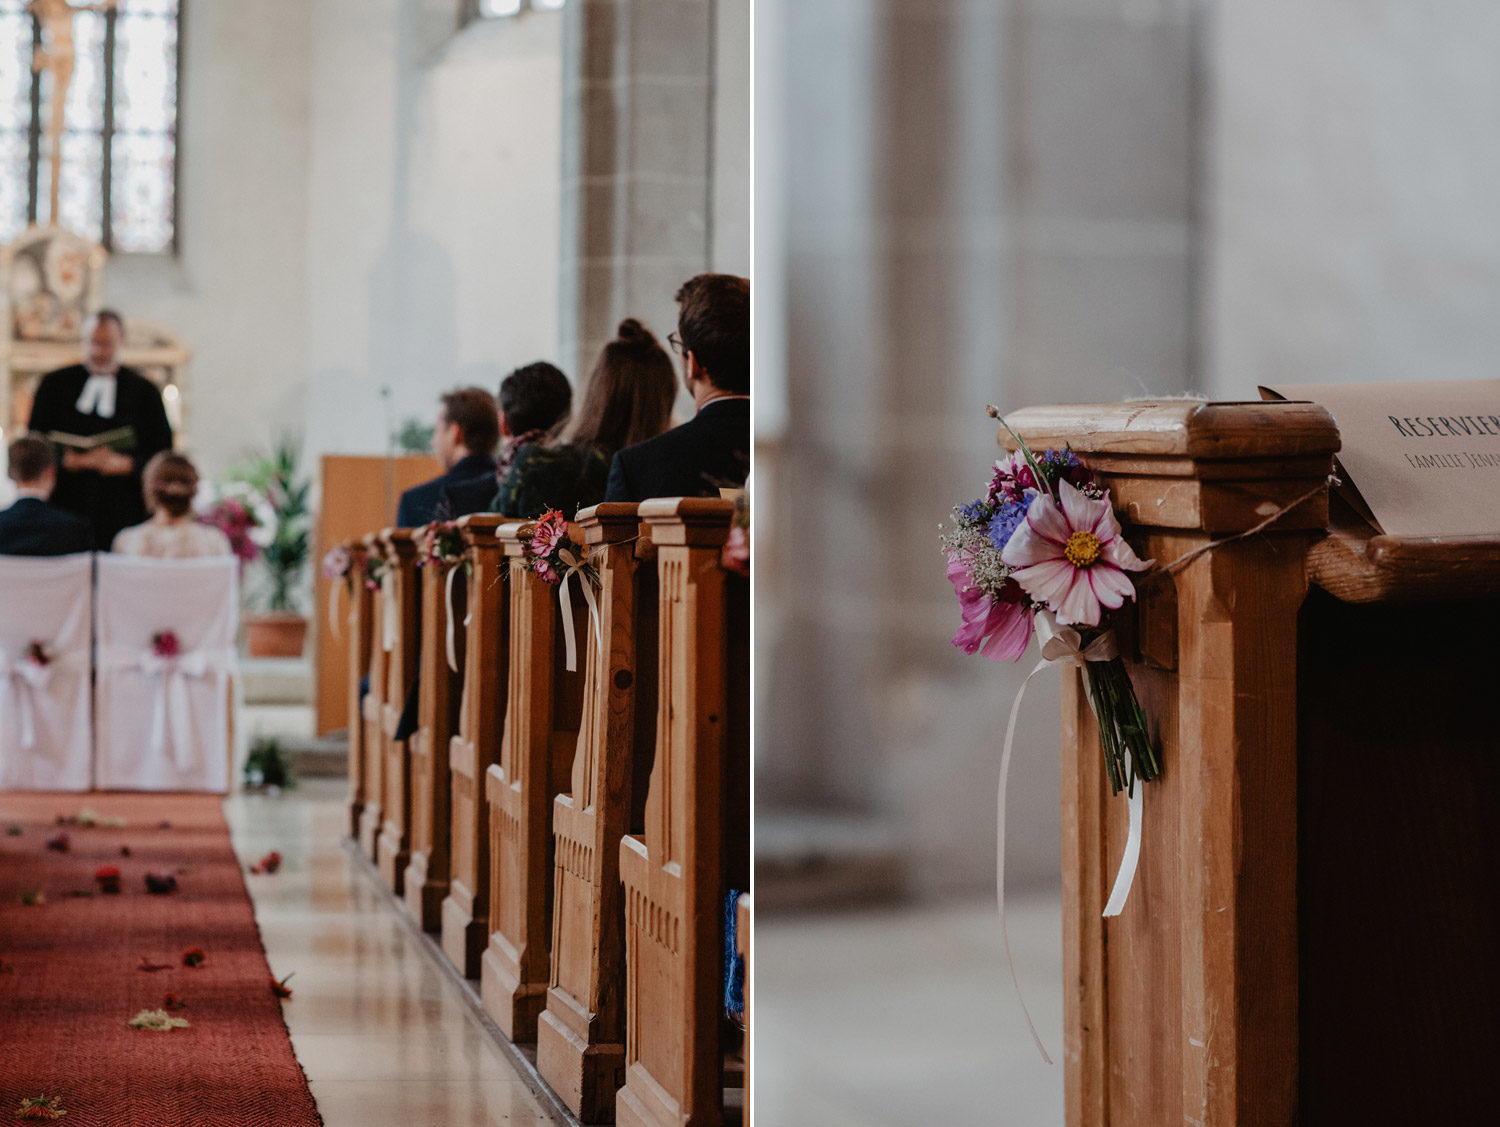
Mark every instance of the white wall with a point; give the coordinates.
(1354, 233)
(432, 230)
(369, 197)
(237, 294)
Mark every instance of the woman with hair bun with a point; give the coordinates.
(173, 531)
(629, 399)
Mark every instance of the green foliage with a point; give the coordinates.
(414, 436)
(273, 476)
(266, 765)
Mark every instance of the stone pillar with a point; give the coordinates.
(637, 165)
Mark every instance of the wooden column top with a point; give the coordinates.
(691, 521)
(1182, 428)
(609, 522)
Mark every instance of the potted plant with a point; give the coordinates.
(279, 629)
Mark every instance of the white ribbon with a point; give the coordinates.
(170, 706)
(1061, 645)
(333, 607)
(448, 605)
(387, 611)
(25, 680)
(566, 600)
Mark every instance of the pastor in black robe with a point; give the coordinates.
(107, 503)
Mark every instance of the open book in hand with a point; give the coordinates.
(120, 439)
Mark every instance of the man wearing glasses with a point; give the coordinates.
(712, 450)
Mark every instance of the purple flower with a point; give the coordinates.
(1004, 522)
(976, 512)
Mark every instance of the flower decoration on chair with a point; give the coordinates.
(166, 645)
(1042, 553)
(37, 655)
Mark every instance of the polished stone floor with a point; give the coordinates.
(907, 1016)
(383, 1034)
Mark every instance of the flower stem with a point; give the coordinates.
(1122, 726)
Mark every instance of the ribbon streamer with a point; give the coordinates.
(333, 607)
(565, 599)
(387, 611)
(24, 680)
(448, 604)
(1061, 645)
(170, 706)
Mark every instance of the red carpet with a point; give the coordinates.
(71, 979)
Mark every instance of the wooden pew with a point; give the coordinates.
(543, 709)
(1310, 937)
(696, 841)
(372, 708)
(581, 1034)
(394, 847)
(357, 639)
(426, 881)
(477, 745)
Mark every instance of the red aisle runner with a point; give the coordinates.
(71, 981)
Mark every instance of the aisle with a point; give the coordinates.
(384, 1036)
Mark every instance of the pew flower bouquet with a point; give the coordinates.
(443, 544)
(1042, 553)
(374, 571)
(36, 654)
(338, 563)
(553, 555)
(165, 644)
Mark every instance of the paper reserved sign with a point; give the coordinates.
(1425, 457)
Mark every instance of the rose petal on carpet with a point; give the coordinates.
(71, 977)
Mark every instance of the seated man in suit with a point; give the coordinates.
(713, 448)
(463, 438)
(534, 401)
(33, 526)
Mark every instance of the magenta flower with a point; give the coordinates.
(1073, 558)
(548, 533)
(999, 628)
(165, 644)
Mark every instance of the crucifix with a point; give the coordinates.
(56, 55)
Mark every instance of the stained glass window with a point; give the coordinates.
(119, 144)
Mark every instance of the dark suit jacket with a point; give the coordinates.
(108, 504)
(37, 528)
(466, 488)
(422, 504)
(692, 460)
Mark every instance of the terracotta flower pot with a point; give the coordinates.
(275, 635)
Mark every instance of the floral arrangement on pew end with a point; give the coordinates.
(374, 571)
(338, 563)
(735, 555)
(553, 555)
(443, 545)
(36, 654)
(165, 645)
(1041, 552)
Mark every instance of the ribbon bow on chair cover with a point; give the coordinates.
(170, 710)
(24, 681)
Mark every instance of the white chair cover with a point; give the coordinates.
(162, 723)
(45, 710)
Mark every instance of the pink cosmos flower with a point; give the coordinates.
(1073, 558)
(998, 628)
